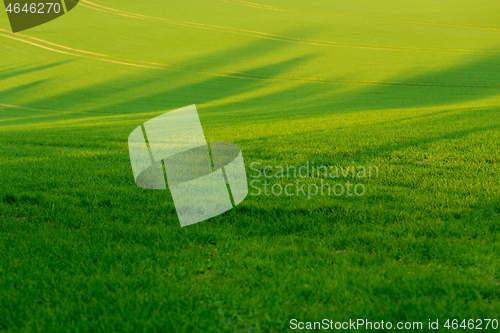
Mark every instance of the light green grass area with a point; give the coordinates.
(412, 87)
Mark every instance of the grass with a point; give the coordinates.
(409, 87)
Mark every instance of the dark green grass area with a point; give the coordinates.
(83, 249)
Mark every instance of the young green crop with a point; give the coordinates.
(411, 88)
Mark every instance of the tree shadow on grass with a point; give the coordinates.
(11, 72)
(142, 96)
(475, 80)
(162, 90)
(151, 91)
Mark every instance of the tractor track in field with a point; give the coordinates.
(268, 7)
(261, 6)
(91, 113)
(12, 106)
(270, 36)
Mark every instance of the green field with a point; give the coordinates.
(411, 87)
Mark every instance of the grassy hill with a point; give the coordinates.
(412, 88)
